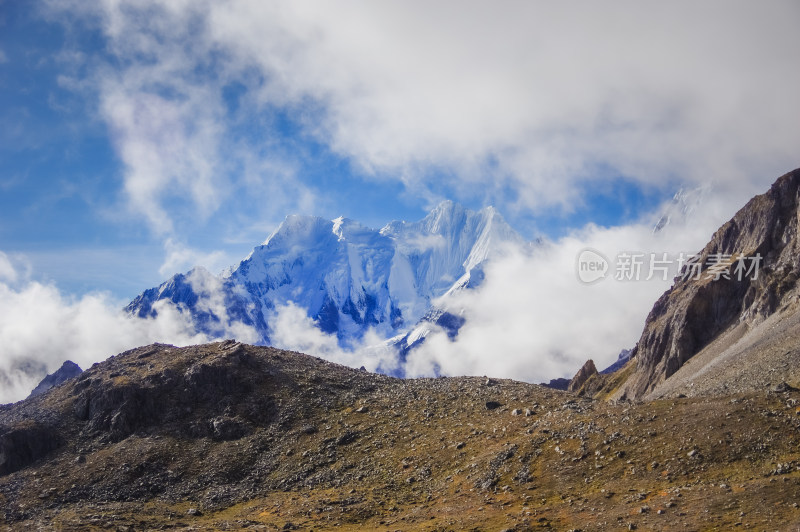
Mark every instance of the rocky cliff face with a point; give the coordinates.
(584, 374)
(726, 292)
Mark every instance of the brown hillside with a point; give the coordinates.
(229, 436)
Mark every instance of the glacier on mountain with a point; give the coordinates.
(349, 278)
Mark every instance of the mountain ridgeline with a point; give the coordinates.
(67, 371)
(719, 331)
(347, 277)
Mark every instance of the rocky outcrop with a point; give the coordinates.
(24, 444)
(700, 307)
(584, 374)
(557, 384)
(68, 370)
(222, 382)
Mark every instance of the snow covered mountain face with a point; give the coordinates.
(347, 277)
(684, 203)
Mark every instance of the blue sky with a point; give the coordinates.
(141, 138)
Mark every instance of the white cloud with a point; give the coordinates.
(40, 328)
(533, 320)
(7, 272)
(180, 258)
(420, 242)
(292, 329)
(532, 96)
(547, 91)
(169, 145)
(211, 299)
(163, 99)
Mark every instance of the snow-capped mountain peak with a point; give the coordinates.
(349, 278)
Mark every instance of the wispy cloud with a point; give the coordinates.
(180, 258)
(211, 300)
(534, 97)
(8, 273)
(170, 148)
(160, 87)
(292, 329)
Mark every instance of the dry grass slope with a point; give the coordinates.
(228, 436)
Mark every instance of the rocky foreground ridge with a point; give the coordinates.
(227, 435)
